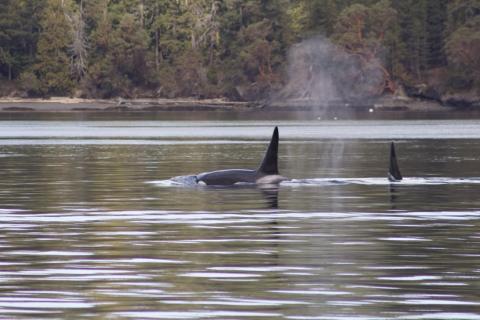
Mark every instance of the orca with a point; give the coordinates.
(394, 174)
(267, 173)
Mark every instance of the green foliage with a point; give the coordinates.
(435, 29)
(31, 84)
(234, 48)
(463, 45)
(462, 11)
(253, 43)
(119, 57)
(411, 17)
(363, 31)
(52, 67)
(129, 50)
(18, 34)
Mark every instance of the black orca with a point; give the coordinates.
(394, 171)
(267, 173)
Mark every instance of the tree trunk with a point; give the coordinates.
(193, 40)
(142, 13)
(157, 62)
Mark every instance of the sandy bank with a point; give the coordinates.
(65, 104)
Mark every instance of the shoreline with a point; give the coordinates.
(77, 105)
(65, 104)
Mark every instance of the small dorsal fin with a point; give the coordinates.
(394, 171)
(270, 160)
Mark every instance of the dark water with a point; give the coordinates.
(91, 227)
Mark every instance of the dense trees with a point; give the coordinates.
(52, 66)
(19, 29)
(234, 48)
(363, 31)
(463, 44)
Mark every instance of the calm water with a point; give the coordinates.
(90, 226)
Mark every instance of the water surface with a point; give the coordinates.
(90, 229)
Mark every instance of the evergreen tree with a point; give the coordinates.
(119, 61)
(463, 45)
(236, 48)
(129, 50)
(312, 17)
(412, 22)
(362, 32)
(53, 61)
(253, 44)
(7, 28)
(6, 41)
(436, 32)
(461, 12)
(18, 35)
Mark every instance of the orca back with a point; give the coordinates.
(269, 164)
(394, 171)
(227, 177)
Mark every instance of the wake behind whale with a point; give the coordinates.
(189, 181)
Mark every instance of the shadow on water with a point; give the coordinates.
(393, 197)
(270, 194)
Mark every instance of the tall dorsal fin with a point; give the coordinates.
(394, 171)
(270, 160)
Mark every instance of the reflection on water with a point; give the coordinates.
(88, 230)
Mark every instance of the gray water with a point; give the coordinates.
(92, 227)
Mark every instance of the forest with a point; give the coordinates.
(237, 49)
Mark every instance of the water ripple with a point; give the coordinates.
(86, 231)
